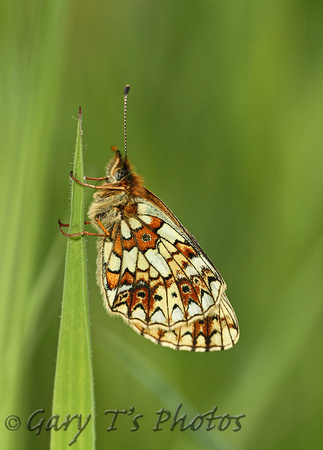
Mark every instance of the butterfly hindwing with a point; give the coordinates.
(156, 276)
(146, 278)
(218, 331)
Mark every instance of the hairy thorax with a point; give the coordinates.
(109, 209)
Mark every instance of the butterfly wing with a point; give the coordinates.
(218, 331)
(153, 272)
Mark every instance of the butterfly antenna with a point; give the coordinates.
(125, 95)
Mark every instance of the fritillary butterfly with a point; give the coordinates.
(151, 270)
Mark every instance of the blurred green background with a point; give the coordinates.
(225, 119)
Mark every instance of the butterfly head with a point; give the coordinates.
(120, 171)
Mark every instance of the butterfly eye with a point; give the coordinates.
(120, 174)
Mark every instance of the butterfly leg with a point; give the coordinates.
(95, 178)
(81, 233)
(111, 186)
(84, 184)
(106, 233)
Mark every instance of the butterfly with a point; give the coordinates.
(151, 270)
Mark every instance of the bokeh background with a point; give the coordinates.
(225, 123)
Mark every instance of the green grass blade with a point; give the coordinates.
(73, 389)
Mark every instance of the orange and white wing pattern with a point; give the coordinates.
(218, 331)
(153, 273)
